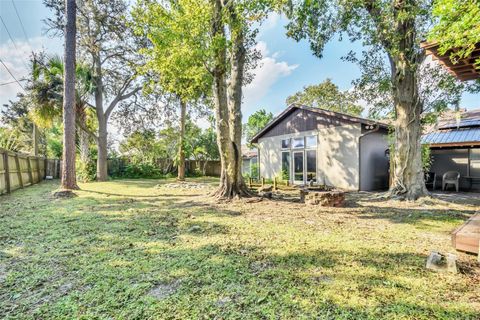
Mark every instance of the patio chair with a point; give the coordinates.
(451, 177)
(430, 179)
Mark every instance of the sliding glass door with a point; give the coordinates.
(298, 176)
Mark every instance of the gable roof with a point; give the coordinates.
(291, 108)
(470, 118)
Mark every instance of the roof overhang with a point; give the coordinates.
(470, 144)
(295, 106)
(463, 70)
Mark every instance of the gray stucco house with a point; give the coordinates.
(455, 146)
(303, 144)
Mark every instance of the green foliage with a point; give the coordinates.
(457, 27)
(141, 170)
(86, 171)
(178, 37)
(326, 95)
(256, 122)
(13, 140)
(426, 158)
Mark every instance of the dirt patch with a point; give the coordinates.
(64, 194)
(182, 185)
(164, 290)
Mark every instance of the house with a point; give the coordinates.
(249, 161)
(455, 146)
(305, 144)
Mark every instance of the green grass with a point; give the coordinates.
(126, 249)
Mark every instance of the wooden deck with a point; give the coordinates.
(467, 236)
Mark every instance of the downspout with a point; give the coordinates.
(360, 154)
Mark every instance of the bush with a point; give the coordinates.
(86, 171)
(142, 170)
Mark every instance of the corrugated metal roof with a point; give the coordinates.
(469, 118)
(461, 135)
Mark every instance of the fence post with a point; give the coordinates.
(7, 171)
(45, 163)
(250, 182)
(38, 168)
(19, 171)
(275, 183)
(29, 166)
(263, 181)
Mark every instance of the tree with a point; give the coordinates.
(457, 27)
(174, 56)
(69, 180)
(395, 30)
(107, 44)
(326, 95)
(256, 122)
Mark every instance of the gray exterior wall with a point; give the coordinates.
(444, 160)
(373, 163)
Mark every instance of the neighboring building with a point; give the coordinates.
(455, 146)
(249, 161)
(305, 144)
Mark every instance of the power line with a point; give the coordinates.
(21, 23)
(10, 82)
(8, 70)
(8, 32)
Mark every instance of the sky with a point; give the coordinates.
(285, 68)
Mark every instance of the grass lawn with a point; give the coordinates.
(133, 249)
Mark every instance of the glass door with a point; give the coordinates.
(298, 176)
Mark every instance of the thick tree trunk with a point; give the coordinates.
(69, 181)
(181, 148)
(102, 164)
(227, 108)
(408, 179)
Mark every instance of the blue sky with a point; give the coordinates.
(285, 68)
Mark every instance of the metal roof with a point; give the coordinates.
(469, 118)
(457, 136)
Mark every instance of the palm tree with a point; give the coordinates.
(46, 89)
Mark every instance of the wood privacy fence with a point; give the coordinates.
(19, 170)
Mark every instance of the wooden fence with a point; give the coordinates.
(19, 170)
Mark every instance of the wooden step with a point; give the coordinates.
(467, 236)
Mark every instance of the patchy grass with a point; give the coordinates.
(129, 249)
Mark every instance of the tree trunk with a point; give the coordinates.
(102, 164)
(227, 108)
(102, 173)
(69, 181)
(181, 148)
(408, 179)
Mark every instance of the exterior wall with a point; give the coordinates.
(302, 120)
(337, 155)
(373, 163)
(444, 160)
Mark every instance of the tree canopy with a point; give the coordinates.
(326, 95)
(256, 122)
(457, 27)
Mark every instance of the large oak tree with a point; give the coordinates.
(393, 28)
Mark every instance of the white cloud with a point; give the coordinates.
(267, 73)
(271, 22)
(17, 58)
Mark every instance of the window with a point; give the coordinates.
(311, 165)
(311, 141)
(298, 142)
(298, 166)
(286, 144)
(286, 166)
(475, 162)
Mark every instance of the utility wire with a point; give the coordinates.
(8, 32)
(10, 82)
(8, 70)
(21, 23)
